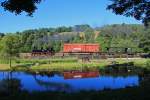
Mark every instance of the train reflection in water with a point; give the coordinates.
(80, 74)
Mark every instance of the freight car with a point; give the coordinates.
(81, 48)
(83, 51)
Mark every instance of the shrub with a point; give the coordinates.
(148, 64)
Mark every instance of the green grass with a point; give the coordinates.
(46, 61)
(65, 66)
(69, 64)
(4, 67)
(93, 64)
(140, 62)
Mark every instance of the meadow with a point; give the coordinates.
(69, 64)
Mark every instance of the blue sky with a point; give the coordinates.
(54, 13)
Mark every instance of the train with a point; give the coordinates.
(87, 50)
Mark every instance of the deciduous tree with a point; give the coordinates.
(19, 6)
(139, 9)
(9, 47)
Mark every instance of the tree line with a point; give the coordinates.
(117, 35)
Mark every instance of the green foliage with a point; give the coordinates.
(81, 28)
(10, 45)
(148, 64)
(17, 7)
(145, 41)
(124, 35)
(89, 35)
(46, 61)
(138, 9)
(104, 43)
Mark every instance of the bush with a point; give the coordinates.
(148, 64)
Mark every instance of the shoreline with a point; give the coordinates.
(100, 64)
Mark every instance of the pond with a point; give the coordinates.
(73, 81)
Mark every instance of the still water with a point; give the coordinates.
(57, 82)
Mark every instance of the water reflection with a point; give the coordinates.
(78, 81)
(10, 86)
(52, 85)
(80, 74)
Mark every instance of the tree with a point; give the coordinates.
(145, 41)
(139, 9)
(9, 47)
(2, 34)
(81, 28)
(63, 29)
(10, 85)
(89, 35)
(18, 6)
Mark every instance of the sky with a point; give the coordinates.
(55, 13)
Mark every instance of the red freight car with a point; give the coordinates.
(81, 48)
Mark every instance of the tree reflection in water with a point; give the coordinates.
(11, 89)
(53, 85)
(10, 85)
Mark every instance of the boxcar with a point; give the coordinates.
(81, 48)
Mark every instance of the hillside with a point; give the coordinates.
(119, 35)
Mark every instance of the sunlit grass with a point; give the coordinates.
(69, 63)
(65, 66)
(4, 67)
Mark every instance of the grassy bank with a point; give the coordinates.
(4, 67)
(70, 64)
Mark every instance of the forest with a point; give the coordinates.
(134, 36)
